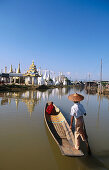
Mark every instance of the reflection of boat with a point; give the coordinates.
(61, 133)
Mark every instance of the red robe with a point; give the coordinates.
(49, 109)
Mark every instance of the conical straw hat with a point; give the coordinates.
(76, 97)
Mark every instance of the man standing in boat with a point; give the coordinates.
(77, 112)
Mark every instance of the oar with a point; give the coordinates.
(88, 147)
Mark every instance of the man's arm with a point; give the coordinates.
(72, 117)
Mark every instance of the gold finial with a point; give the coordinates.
(33, 62)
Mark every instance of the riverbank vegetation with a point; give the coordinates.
(23, 87)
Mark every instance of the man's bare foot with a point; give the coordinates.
(75, 148)
(70, 127)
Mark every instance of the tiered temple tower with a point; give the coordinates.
(31, 77)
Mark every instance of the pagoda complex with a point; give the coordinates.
(31, 76)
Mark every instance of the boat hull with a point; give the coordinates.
(61, 132)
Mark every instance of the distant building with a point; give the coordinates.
(91, 84)
(62, 80)
(31, 76)
(4, 78)
(16, 77)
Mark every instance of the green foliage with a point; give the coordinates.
(104, 83)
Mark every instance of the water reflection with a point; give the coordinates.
(97, 120)
(76, 163)
(31, 98)
(99, 98)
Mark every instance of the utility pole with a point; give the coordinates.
(101, 71)
(89, 80)
(101, 77)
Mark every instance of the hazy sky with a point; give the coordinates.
(59, 35)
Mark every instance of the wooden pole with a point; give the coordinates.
(101, 77)
(88, 147)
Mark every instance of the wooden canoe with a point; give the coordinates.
(61, 132)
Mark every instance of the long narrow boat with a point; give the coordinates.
(61, 132)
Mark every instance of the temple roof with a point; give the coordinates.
(32, 70)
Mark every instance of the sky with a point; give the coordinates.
(68, 36)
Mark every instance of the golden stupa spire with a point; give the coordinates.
(11, 70)
(33, 62)
(18, 70)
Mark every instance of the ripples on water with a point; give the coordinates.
(25, 142)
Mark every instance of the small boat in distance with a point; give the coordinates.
(61, 132)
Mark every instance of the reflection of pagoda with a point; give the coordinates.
(17, 102)
(9, 101)
(31, 98)
(4, 101)
(31, 77)
(30, 104)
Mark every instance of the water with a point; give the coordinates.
(26, 144)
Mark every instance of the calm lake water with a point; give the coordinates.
(26, 144)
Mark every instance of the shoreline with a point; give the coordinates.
(23, 87)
